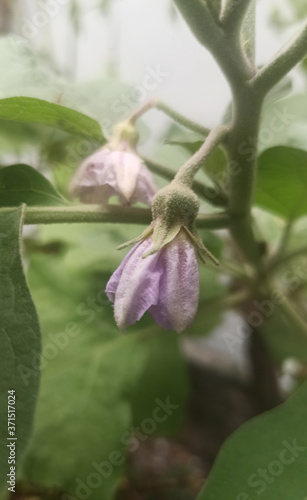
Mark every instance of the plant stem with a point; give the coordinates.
(233, 14)
(229, 301)
(247, 108)
(283, 259)
(294, 318)
(224, 46)
(182, 120)
(213, 195)
(249, 32)
(177, 117)
(113, 214)
(288, 57)
(187, 172)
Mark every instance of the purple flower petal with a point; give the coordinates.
(178, 287)
(113, 282)
(127, 168)
(135, 285)
(107, 173)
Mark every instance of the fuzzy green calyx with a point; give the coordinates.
(124, 136)
(175, 204)
(174, 209)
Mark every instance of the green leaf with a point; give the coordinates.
(31, 110)
(266, 458)
(282, 181)
(283, 123)
(282, 339)
(23, 184)
(20, 340)
(164, 377)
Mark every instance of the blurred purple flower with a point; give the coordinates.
(107, 173)
(166, 284)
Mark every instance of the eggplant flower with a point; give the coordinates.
(160, 274)
(166, 284)
(115, 169)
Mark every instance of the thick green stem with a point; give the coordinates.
(113, 214)
(242, 147)
(226, 49)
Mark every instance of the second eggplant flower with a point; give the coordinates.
(115, 170)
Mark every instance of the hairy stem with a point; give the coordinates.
(226, 49)
(288, 57)
(177, 117)
(113, 214)
(187, 172)
(211, 194)
(233, 14)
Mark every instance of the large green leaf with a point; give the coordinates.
(31, 110)
(282, 181)
(23, 184)
(266, 458)
(20, 343)
(164, 377)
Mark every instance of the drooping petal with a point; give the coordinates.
(178, 286)
(136, 286)
(107, 173)
(93, 181)
(127, 168)
(113, 282)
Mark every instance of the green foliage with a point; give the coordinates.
(164, 376)
(23, 184)
(20, 341)
(266, 457)
(31, 110)
(282, 181)
(282, 340)
(283, 121)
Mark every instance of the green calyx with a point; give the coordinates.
(175, 204)
(124, 136)
(174, 209)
